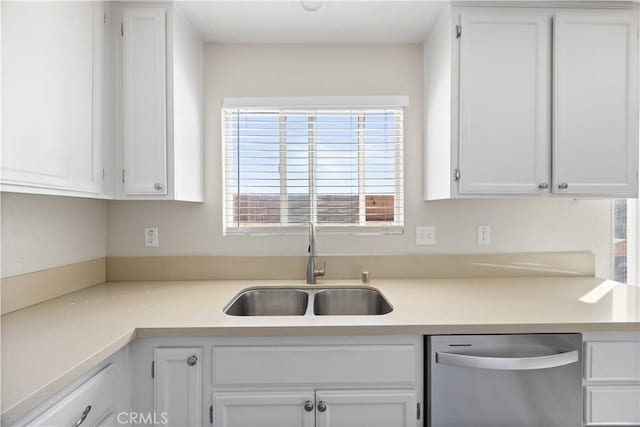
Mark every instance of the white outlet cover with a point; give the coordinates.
(484, 235)
(425, 235)
(151, 237)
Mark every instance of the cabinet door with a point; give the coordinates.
(50, 58)
(264, 409)
(504, 102)
(362, 408)
(177, 387)
(144, 101)
(595, 136)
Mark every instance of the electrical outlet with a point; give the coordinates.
(484, 235)
(425, 235)
(151, 237)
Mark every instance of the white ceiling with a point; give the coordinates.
(337, 21)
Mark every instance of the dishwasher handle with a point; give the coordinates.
(508, 363)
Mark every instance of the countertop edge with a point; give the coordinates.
(336, 330)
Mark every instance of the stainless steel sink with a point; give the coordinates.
(356, 301)
(269, 302)
(350, 302)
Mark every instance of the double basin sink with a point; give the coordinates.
(354, 301)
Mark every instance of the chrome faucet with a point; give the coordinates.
(312, 271)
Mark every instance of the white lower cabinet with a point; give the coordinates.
(177, 389)
(89, 404)
(612, 405)
(612, 379)
(97, 398)
(367, 408)
(264, 409)
(280, 381)
(321, 408)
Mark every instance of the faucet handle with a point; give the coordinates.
(319, 272)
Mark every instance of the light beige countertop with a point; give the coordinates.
(48, 345)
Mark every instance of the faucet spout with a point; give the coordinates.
(312, 271)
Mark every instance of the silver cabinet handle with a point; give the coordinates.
(508, 363)
(563, 186)
(543, 186)
(83, 416)
(158, 186)
(308, 406)
(322, 407)
(192, 360)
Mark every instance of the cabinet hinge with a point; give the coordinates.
(102, 173)
(458, 31)
(153, 369)
(123, 176)
(456, 175)
(418, 411)
(104, 18)
(211, 414)
(122, 29)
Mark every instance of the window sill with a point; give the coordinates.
(371, 230)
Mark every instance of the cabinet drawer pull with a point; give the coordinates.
(322, 407)
(543, 186)
(308, 406)
(192, 360)
(563, 186)
(158, 186)
(83, 416)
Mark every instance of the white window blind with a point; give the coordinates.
(340, 168)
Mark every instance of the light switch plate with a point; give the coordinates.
(484, 235)
(425, 235)
(151, 237)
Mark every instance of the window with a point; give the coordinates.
(340, 168)
(625, 241)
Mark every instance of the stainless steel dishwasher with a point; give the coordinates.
(505, 380)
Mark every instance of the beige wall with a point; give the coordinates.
(296, 70)
(40, 232)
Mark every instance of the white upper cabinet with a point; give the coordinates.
(504, 102)
(101, 100)
(595, 139)
(144, 124)
(52, 81)
(527, 102)
(160, 154)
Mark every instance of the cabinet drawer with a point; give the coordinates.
(612, 405)
(97, 392)
(317, 365)
(612, 361)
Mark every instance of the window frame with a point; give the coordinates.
(319, 103)
(632, 241)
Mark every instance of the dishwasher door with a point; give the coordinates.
(505, 380)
